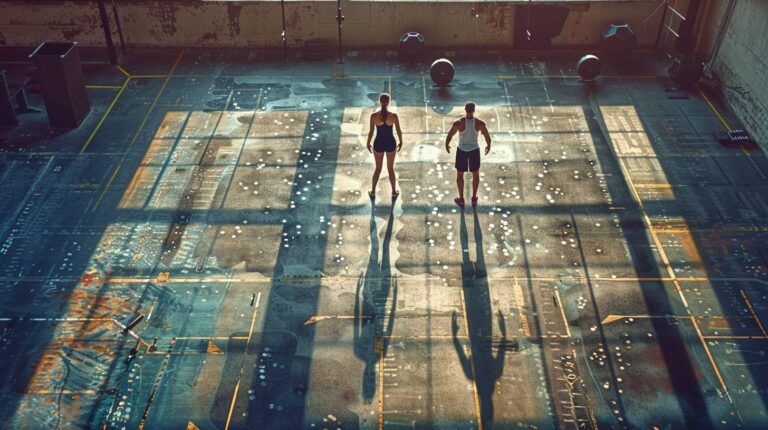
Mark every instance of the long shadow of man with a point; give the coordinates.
(480, 366)
(372, 326)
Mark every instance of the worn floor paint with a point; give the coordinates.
(613, 274)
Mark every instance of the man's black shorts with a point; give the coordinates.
(468, 160)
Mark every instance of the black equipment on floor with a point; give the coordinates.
(734, 137)
(588, 67)
(686, 69)
(442, 72)
(412, 45)
(618, 41)
(61, 76)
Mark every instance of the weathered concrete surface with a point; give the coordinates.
(612, 275)
(258, 23)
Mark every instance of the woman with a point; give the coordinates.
(384, 120)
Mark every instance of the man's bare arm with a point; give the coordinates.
(487, 136)
(454, 129)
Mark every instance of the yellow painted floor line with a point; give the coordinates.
(754, 314)
(613, 318)
(58, 392)
(714, 109)
(572, 77)
(242, 369)
(156, 99)
(317, 318)
(658, 186)
(423, 337)
(141, 126)
(562, 313)
(734, 337)
(654, 237)
(103, 87)
(361, 77)
(149, 76)
(212, 338)
(123, 71)
(711, 358)
(106, 187)
(232, 406)
(475, 392)
(106, 114)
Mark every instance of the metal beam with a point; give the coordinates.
(107, 32)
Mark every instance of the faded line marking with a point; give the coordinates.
(104, 191)
(242, 366)
(475, 392)
(143, 123)
(123, 71)
(562, 313)
(754, 314)
(106, 114)
(714, 109)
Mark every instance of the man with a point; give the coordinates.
(468, 153)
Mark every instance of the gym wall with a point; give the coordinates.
(741, 63)
(378, 24)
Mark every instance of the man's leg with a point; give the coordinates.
(460, 183)
(474, 167)
(461, 168)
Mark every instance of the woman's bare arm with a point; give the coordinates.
(370, 135)
(399, 133)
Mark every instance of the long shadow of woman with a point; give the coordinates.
(372, 323)
(480, 366)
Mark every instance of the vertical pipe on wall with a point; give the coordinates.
(107, 32)
(283, 35)
(119, 27)
(661, 25)
(339, 19)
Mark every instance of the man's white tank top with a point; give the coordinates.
(468, 137)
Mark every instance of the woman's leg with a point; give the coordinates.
(391, 171)
(378, 157)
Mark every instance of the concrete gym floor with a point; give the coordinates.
(614, 274)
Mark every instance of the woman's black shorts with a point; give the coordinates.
(384, 145)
